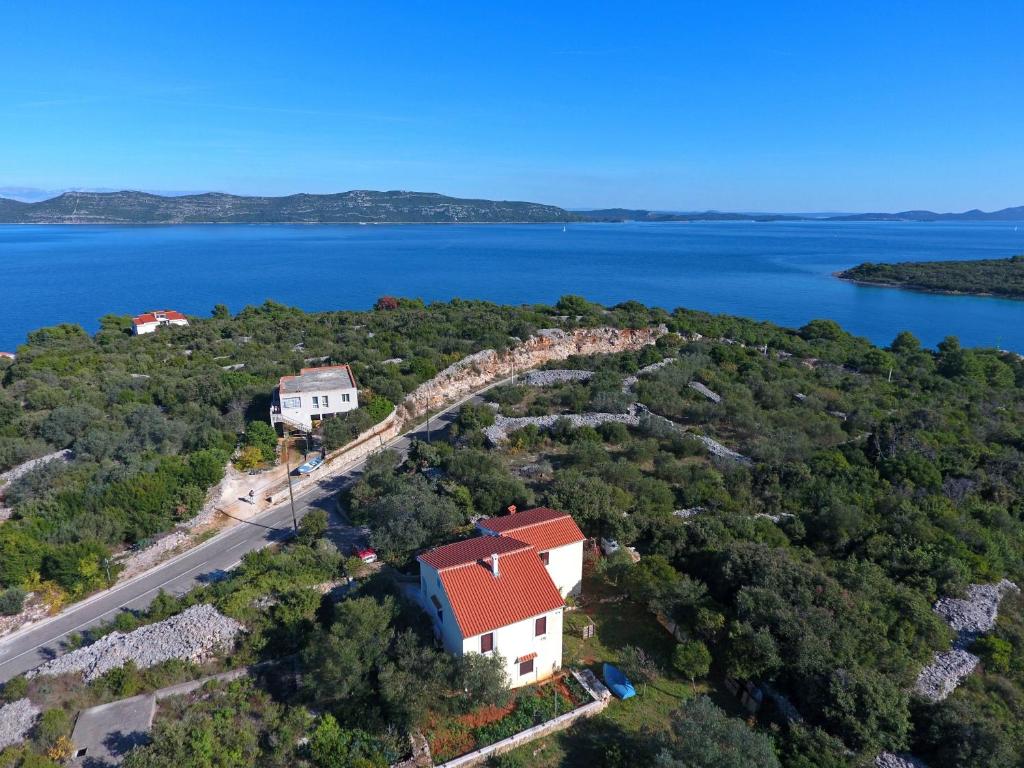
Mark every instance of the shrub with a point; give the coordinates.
(379, 408)
(12, 600)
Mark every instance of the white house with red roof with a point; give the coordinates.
(493, 594)
(315, 394)
(555, 536)
(148, 322)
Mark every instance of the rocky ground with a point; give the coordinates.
(976, 613)
(890, 760)
(552, 377)
(970, 617)
(945, 673)
(16, 720)
(195, 635)
(498, 432)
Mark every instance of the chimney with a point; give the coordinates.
(494, 564)
(511, 509)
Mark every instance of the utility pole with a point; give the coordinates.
(291, 496)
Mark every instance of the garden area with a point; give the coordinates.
(452, 735)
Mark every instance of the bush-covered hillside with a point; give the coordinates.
(996, 277)
(153, 419)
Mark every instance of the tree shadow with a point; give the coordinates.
(119, 743)
(602, 742)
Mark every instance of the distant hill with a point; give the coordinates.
(394, 207)
(980, 277)
(357, 206)
(1006, 214)
(629, 214)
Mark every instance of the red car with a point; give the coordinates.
(366, 554)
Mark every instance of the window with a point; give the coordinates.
(346, 398)
(525, 667)
(316, 401)
(292, 402)
(540, 626)
(544, 557)
(438, 608)
(324, 401)
(487, 642)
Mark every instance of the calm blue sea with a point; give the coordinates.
(774, 271)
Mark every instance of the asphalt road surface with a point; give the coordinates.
(207, 562)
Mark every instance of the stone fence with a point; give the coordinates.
(560, 723)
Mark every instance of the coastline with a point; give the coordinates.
(924, 289)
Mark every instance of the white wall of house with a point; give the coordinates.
(565, 567)
(446, 626)
(303, 407)
(517, 640)
(142, 328)
(512, 642)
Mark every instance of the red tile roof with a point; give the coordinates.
(541, 528)
(527, 657)
(470, 551)
(481, 601)
(151, 317)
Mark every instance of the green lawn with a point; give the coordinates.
(618, 623)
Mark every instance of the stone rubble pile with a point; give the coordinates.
(976, 613)
(890, 760)
(193, 635)
(498, 432)
(555, 376)
(970, 617)
(16, 720)
(945, 673)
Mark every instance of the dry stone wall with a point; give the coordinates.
(970, 617)
(478, 370)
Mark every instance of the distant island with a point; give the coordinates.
(982, 277)
(393, 207)
(354, 207)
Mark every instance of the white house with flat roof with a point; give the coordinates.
(315, 394)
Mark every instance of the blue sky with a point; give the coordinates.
(745, 106)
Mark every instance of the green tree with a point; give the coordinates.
(867, 710)
(332, 746)
(259, 434)
(905, 343)
(691, 659)
(313, 526)
(703, 735)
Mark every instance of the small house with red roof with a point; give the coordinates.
(315, 394)
(553, 534)
(148, 322)
(495, 593)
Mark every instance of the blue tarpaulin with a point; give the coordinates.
(617, 682)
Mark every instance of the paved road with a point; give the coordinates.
(207, 562)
